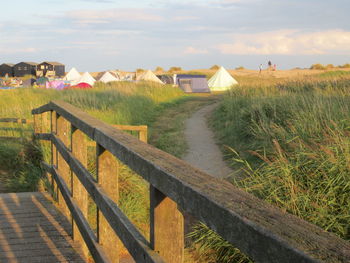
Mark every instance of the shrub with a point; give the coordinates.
(318, 66)
(160, 69)
(347, 65)
(173, 69)
(140, 70)
(215, 67)
(240, 68)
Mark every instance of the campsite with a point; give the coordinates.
(175, 131)
(143, 99)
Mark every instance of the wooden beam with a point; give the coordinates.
(107, 177)
(80, 195)
(63, 133)
(167, 227)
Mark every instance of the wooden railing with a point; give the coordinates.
(17, 122)
(263, 232)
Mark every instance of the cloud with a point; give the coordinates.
(195, 51)
(289, 42)
(112, 15)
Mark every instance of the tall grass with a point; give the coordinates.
(291, 143)
(115, 103)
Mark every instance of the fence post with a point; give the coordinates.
(107, 176)
(143, 134)
(63, 133)
(54, 152)
(167, 227)
(80, 195)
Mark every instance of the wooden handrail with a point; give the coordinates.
(262, 231)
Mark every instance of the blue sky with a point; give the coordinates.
(96, 35)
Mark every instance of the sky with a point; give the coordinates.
(97, 35)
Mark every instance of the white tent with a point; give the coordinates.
(222, 80)
(150, 76)
(108, 77)
(73, 75)
(87, 78)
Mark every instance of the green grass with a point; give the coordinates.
(291, 142)
(116, 103)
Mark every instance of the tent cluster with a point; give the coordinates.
(220, 81)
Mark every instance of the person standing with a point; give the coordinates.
(260, 68)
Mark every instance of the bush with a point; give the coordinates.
(330, 66)
(173, 69)
(215, 67)
(159, 69)
(240, 68)
(347, 65)
(318, 66)
(140, 70)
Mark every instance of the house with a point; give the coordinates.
(192, 83)
(6, 69)
(51, 69)
(25, 68)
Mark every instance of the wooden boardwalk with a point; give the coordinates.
(33, 230)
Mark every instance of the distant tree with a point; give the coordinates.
(240, 68)
(159, 69)
(330, 66)
(318, 66)
(140, 70)
(173, 69)
(347, 65)
(215, 67)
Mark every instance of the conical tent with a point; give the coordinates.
(108, 77)
(150, 76)
(222, 80)
(87, 78)
(72, 75)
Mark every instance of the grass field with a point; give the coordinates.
(290, 141)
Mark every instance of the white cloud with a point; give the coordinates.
(112, 15)
(289, 42)
(195, 51)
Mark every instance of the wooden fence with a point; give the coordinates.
(19, 130)
(263, 232)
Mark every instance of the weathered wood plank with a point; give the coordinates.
(107, 178)
(167, 227)
(16, 120)
(262, 231)
(40, 236)
(80, 195)
(63, 132)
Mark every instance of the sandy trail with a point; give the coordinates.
(203, 153)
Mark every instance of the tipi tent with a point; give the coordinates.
(108, 77)
(87, 78)
(222, 80)
(150, 76)
(72, 75)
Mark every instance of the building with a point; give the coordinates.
(25, 68)
(6, 69)
(50, 69)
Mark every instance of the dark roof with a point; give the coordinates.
(53, 63)
(29, 63)
(189, 76)
(8, 64)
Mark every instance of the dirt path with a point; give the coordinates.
(203, 153)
